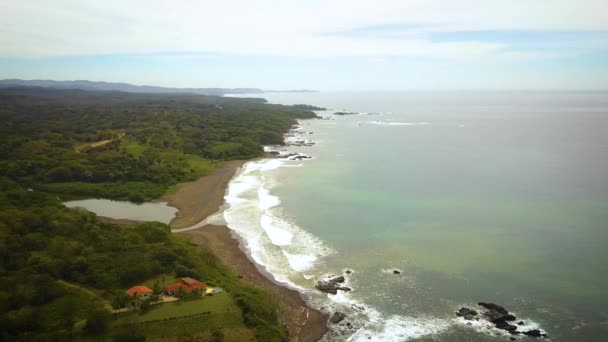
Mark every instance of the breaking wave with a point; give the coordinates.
(272, 239)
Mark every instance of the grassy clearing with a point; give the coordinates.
(198, 326)
(133, 147)
(216, 304)
(193, 317)
(201, 165)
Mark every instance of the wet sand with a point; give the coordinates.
(198, 199)
(203, 197)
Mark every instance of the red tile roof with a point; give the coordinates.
(191, 281)
(187, 284)
(138, 290)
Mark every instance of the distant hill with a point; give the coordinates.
(130, 88)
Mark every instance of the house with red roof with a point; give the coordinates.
(140, 292)
(188, 285)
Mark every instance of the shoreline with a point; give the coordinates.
(301, 322)
(201, 198)
(198, 200)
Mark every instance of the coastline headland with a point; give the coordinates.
(200, 199)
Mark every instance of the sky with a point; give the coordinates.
(325, 45)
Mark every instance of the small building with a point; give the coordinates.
(140, 292)
(187, 284)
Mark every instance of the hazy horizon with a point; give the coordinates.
(338, 46)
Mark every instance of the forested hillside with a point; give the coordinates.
(61, 268)
(129, 145)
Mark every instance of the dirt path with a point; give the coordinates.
(87, 291)
(100, 143)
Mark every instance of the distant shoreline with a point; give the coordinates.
(197, 200)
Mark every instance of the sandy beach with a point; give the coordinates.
(198, 199)
(302, 322)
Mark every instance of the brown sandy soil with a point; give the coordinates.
(198, 199)
(302, 322)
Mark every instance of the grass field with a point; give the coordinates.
(199, 317)
(133, 147)
(201, 165)
(216, 304)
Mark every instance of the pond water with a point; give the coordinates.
(150, 211)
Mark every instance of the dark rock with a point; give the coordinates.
(493, 307)
(337, 317)
(326, 287)
(509, 317)
(533, 333)
(339, 279)
(467, 313)
(494, 316)
(332, 285)
(512, 338)
(345, 113)
(349, 271)
(496, 313)
(396, 272)
(520, 323)
(505, 326)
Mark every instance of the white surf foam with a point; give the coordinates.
(278, 236)
(400, 328)
(371, 325)
(486, 327)
(399, 123)
(271, 239)
(391, 270)
(300, 262)
(262, 165)
(266, 200)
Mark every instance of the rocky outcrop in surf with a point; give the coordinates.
(500, 317)
(332, 285)
(288, 155)
(337, 317)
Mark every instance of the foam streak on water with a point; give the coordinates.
(272, 239)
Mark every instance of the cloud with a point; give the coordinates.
(310, 28)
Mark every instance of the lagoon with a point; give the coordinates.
(150, 211)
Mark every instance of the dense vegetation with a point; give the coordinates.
(129, 145)
(46, 249)
(60, 267)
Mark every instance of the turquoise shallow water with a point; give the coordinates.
(498, 197)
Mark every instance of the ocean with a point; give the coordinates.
(472, 196)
